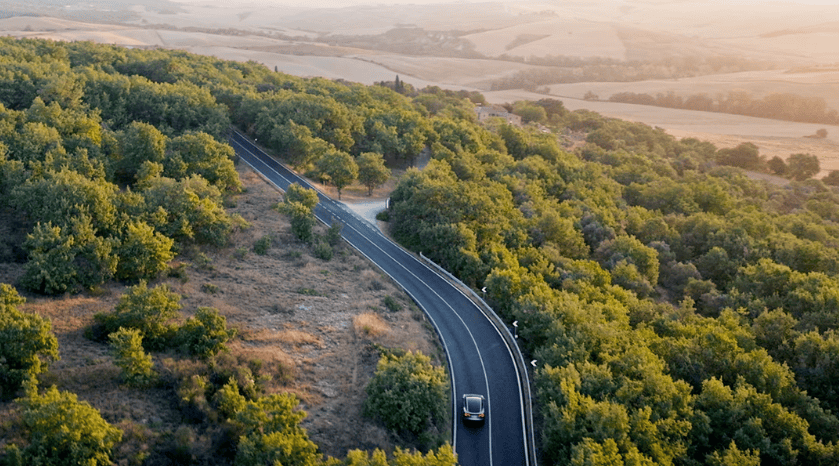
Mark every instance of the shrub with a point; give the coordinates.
(323, 250)
(178, 271)
(261, 245)
(333, 234)
(302, 220)
(206, 333)
(272, 433)
(203, 262)
(192, 393)
(247, 373)
(228, 400)
(392, 304)
(127, 346)
(209, 288)
(147, 310)
(27, 343)
(62, 430)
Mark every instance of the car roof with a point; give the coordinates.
(473, 403)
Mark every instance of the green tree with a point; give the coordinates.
(407, 392)
(136, 365)
(299, 204)
(272, 434)
(12, 174)
(530, 112)
(372, 171)
(305, 196)
(205, 334)
(554, 108)
(147, 173)
(62, 196)
(302, 220)
(27, 344)
(816, 365)
(443, 456)
(198, 153)
(757, 423)
(297, 143)
(627, 248)
(67, 259)
(188, 210)
(745, 155)
(592, 453)
(144, 253)
(733, 456)
(64, 431)
(802, 167)
(36, 141)
(339, 169)
(832, 178)
(149, 310)
(139, 142)
(777, 166)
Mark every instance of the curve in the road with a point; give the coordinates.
(468, 337)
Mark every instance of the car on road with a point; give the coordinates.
(474, 408)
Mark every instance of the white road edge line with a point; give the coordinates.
(448, 356)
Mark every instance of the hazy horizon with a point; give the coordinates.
(317, 4)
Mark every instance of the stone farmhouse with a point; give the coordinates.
(491, 111)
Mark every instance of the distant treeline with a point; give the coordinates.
(564, 70)
(409, 41)
(788, 107)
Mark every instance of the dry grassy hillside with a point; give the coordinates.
(312, 322)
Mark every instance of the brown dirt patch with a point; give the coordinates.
(293, 311)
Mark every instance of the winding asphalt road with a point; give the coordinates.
(479, 359)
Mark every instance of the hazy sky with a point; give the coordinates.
(344, 3)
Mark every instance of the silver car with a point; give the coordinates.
(474, 408)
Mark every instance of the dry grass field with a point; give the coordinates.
(313, 323)
(773, 137)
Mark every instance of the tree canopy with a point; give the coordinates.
(27, 344)
(407, 392)
(682, 312)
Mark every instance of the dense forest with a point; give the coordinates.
(680, 312)
(114, 162)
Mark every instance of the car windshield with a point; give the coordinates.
(473, 404)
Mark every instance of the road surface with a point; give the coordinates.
(479, 359)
